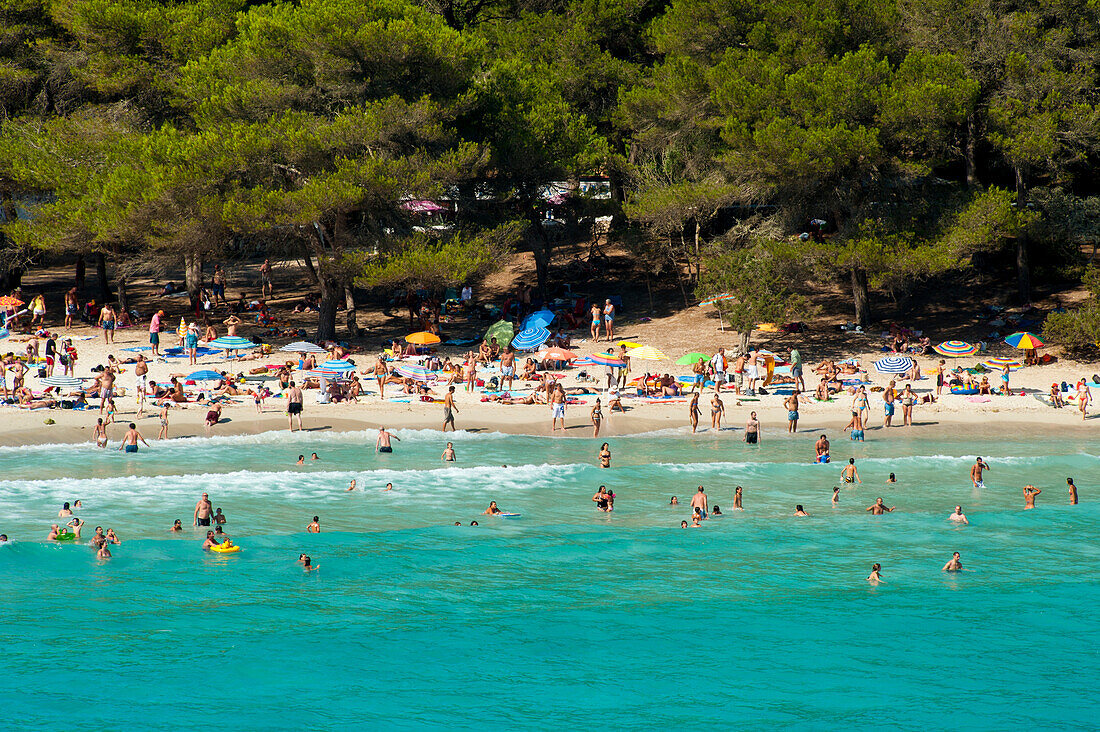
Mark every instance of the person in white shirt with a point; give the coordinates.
(719, 365)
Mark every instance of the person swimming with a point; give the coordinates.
(958, 516)
(716, 511)
(836, 495)
(799, 511)
(891, 479)
(674, 501)
(177, 525)
(492, 510)
(876, 574)
(954, 564)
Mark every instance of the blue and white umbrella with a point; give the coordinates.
(62, 382)
(530, 339)
(4, 333)
(232, 343)
(205, 375)
(302, 347)
(541, 319)
(334, 369)
(894, 365)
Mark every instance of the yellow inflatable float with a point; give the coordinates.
(227, 547)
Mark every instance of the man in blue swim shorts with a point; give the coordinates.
(129, 442)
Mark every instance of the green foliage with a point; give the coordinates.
(760, 278)
(1078, 329)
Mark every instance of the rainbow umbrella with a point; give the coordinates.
(1024, 341)
(717, 298)
(422, 338)
(998, 363)
(603, 359)
(647, 353)
(413, 371)
(955, 349)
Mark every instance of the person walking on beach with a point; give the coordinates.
(699, 501)
(294, 401)
(693, 412)
(449, 409)
(265, 278)
(1084, 396)
(850, 474)
(796, 370)
(609, 320)
(163, 433)
(719, 366)
(1030, 492)
(597, 417)
(976, 473)
(717, 411)
(752, 429)
(792, 412)
(130, 440)
(382, 444)
(557, 407)
(204, 511)
(1072, 492)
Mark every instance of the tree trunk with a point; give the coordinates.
(307, 259)
(971, 152)
(542, 252)
(192, 276)
(1023, 269)
(101, 275)
(351, 320)
(859, 296)
(743, 337)
(331, 292)
(11, 279)
(698, 259)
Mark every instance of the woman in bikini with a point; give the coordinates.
(605, 456)
(693, 412)
(597, 417)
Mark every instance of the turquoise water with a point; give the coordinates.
(565, 617)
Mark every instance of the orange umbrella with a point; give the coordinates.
(422, 338)
(7, 301)
(556, 354)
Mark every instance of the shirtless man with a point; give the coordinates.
(449, 409)
(141, 380)
(821, 448)
(752, 430)
(1072, 491)
(106, 388)
(958, 516)
(954, 565)
(1030, 492)
(507, 368)
(382, 444)
(265, 278)
(699, 501)
(448, 454)
(315, 526)
(294, 401)
(878, 508)
(889, 396)
(231, 324)
(204, 511)
(792, 412)
(130, 441)
(850, 474)
(976, 473)
(557, 408)
(210, 541)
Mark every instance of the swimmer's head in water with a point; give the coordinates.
(892, 478)
(209, 534)
(683, 524)
(875, 567)
(798, 507)
(66, 506)
(473, 523)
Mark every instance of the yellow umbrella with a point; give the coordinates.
(422, 338)
(630, 344)
(647, 353)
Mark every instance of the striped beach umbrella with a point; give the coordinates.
(302, 347)
(955, 349)
(205, 375)
(422, 338)
(894, 365)
(62, 382)
(717, 298)
(231, 343)
(334, 369)
(647, 353)
(998, 363)
(1025, 341)
(413, 371)
(603, 359)
(530, 339)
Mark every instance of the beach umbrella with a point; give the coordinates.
(541, 319)
(337, 367)
(629, 344)
(530, 339)
(894, 365)
(62, 382)
(7, 301)
(690, 359)
(4, 333)
(647, 353)
(413, 371)
(205, 375)
(604, 359)
(556, 354)
(232, 343)
(718, 298)
(955, 349)
(998, 363)
(422, 338)
(502, 330)
(302, 347)
(1024, 341)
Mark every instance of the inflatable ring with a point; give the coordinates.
(65, 536)
(223, 549)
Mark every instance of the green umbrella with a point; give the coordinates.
(502, 330)
(692, 358)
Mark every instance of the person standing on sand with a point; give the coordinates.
(141, 382)
(163, 434)
(796, 370)
(597, 418)
(381, 371)
(597, 318)
(129, 442)
(976, 473)
(1030, 492)
(609, 320)
(106, 321)
(557, 407)
(719, 366)
(1072, 492)
(294, 401)
(717, 411)
(470, 373)
(940, 370)
(265, 278)
(693, 412)
(1084, 396)
(792, 412)
(507, 368)
(889, 396)
(449, 409)
(154, 333)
